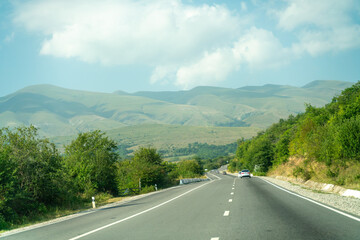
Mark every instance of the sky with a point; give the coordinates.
(168, 45)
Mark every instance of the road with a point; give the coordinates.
(226, 208)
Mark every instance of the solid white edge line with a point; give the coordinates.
(137, 214)
(313, 201)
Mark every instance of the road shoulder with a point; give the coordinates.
(347, 204)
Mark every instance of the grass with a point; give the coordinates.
(56, 212)
(347, 176)
(165, 137)
(178, 158)
(51, 214)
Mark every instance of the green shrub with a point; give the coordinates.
(259, 173)
(3, 224)
(332, 174)
(189, 169)
(147, 189)
(301, 173)
(349, 138)
(340, 181)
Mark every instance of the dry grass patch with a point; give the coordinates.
(346, 175)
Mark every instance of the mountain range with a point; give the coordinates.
(62, 112)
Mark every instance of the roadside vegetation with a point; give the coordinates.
(37, 182)
(201, 150)
(321, 144)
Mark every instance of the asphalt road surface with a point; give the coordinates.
(225, 208)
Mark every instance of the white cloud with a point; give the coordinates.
(334, 40)
(127, 32)
(212, 68)
(321, 26)
(321, 13)
(187, 45)
(163, 74)
(257, 48)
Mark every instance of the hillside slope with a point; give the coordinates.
(321, 144)
(60, 112)
(166, 138)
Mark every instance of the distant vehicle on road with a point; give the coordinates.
(244, 173)
(224, 173)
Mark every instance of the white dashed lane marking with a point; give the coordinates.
(226, 213)
(230, 200)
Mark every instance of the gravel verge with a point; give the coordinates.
(347, 204)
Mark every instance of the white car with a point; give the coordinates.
(244, 173)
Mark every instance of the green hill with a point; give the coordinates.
(254, 106)
(61, 112)
(169, 137)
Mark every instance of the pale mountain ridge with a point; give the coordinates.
(61, 112)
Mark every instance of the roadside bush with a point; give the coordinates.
(3, 223)
(259, 173)
(189, 169)
(147, 189)
(340, 181)
(29, 174)
(235, 165)
(302, 173)
(349, 138)
(282, 149)
(332, 174)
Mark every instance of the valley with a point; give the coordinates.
(165, 120)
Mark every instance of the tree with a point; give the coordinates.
(282, 148)
(29, 173)
(262, 153)
(147, 156)
(8, 183)
(349, 138)
(189, 169)
(90, 161)
(147, 166)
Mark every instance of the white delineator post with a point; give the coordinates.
(93, 202)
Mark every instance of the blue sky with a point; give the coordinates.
(159, 45)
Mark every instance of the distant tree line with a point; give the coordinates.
(203, 150)
(36, 179)
(328, 135)
(213, 163)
